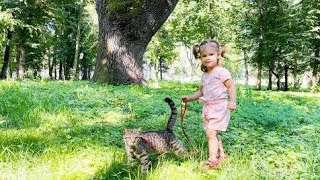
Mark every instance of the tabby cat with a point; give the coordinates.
(139, 144)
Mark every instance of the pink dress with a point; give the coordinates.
(215, 113)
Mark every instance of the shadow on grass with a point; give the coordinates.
(116, 170)
(122, 170)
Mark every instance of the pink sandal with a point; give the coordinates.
(209, 164)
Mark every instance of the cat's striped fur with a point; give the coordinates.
(139, 144)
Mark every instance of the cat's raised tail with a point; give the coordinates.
(173, 116)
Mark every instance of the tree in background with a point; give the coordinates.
(125, 30)
(25, 24)
(160, 49)
(310, 10)
(47, 35)
(6, 24)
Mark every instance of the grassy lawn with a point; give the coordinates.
(73, 130)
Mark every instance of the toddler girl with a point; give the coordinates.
(215, 83)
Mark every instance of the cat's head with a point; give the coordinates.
(131, 136)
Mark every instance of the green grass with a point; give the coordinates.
(73, 130)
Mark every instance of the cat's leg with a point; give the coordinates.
(177, 145)
(144, 159)
(130, 154)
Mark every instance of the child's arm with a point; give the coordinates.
(194, 97)
(232, 94)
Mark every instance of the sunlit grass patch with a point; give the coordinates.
(3, 119)
(53, 120)
(172, 170)
(112, 117)
(79, 163)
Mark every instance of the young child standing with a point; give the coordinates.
(216, 81)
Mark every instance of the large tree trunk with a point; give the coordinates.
(6, 58)
(124, 34)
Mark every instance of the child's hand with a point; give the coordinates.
(185, 99)
(232, 106)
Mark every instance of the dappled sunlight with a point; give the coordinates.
(20, 137)
(172, 170)
(309, 128)
(111, 117)
(81, 163)
(298, 94)
(50, 121)
(3, 120)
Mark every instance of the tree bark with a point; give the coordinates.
(316, 61)
(17, 60)
(278, 78)
(6, 58)
(75, 69)
(61, 73)
(156, 68)
(193, 63)
(85, 75)
(123, 38)
(52, 68)
(261, 39)
(55, 69)
(286, 70)
(50, 63)
(295, 73)
(259, 75)
(21, 64)
(246, 66)
(270, 79)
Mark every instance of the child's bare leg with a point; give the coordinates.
(220, 150)
(213, 144)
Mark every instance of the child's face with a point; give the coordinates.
(209, 56)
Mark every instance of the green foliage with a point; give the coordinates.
(73, 130)
(195, 21)
(125, 8)
(161, 46)
(316, 88)
(48, 29)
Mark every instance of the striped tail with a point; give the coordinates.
(173, 116)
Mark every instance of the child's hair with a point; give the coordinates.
(197, 49)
